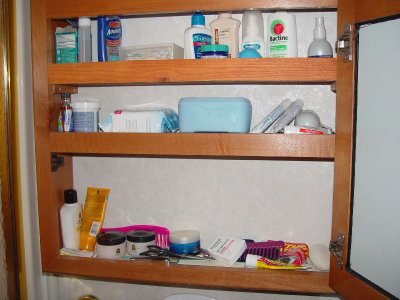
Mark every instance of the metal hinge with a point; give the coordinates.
(336, 248)
(56, 162)
(344, 43)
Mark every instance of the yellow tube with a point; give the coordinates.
(93, 217)
(259, 262)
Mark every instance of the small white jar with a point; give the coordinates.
(138, 240)
(110, 245)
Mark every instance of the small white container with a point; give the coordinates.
(138, 240)
(85, 116)
(110, 245)
(184, 241)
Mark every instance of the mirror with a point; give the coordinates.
(375, 234)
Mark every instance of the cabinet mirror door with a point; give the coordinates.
(369, 180)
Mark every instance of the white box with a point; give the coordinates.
(144, 121)
(152, 52)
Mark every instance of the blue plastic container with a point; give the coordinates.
(215, 114)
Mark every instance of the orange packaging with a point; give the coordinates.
(93, 217)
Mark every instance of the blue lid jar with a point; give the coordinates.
(214, 51)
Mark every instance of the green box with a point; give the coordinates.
(66, 45)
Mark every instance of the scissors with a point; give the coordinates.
(158, 253)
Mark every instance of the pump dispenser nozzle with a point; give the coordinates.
(319, 31)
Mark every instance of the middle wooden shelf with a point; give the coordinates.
(282, 146)
(210, 71)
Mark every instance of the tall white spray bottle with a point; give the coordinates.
(70, 217)
(320, 47)
(253, 31)
(196, 36)
(281, 35)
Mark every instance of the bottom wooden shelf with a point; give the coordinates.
(168, 274)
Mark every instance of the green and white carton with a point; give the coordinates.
(66, 45)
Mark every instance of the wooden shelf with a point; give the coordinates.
(210, 71)
(196, 144)
(162, 273)
(75, 8)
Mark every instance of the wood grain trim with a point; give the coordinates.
(196, 144)
(9, 155)
(381, 9)
(93, 8)
(291, 70)
(160, 273)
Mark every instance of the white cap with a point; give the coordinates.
(84, 21)
(184, 236)
(319, 31)
(285, 103)
(86, 105)
(308, 118)
(251, 260)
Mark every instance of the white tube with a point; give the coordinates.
(288, 116)
(271, 117)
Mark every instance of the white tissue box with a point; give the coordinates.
(144, 121)
(152, 52)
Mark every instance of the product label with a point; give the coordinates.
(65, 123)
(94, 229)
(255, 46)
(200, 39)
(84, 121)
(223, 36)
(278, 41)
(66, 47)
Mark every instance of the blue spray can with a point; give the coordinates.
(109, 38)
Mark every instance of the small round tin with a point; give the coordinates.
(111, 245)
(138, 240)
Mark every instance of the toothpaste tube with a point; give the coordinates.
(271, 117)
(284, 263)
(291, 129)
(109, 35)
(288, 116)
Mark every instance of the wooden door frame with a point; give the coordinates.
(340, 279)
(8, 148)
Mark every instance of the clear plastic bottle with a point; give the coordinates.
(70, 219)
(253, 31)
(225, 31)
(196, 36)
(84, 40)
(320, 47)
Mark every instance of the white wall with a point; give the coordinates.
(255, 199)
(36, 283)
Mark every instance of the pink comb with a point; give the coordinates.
(162, 233)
